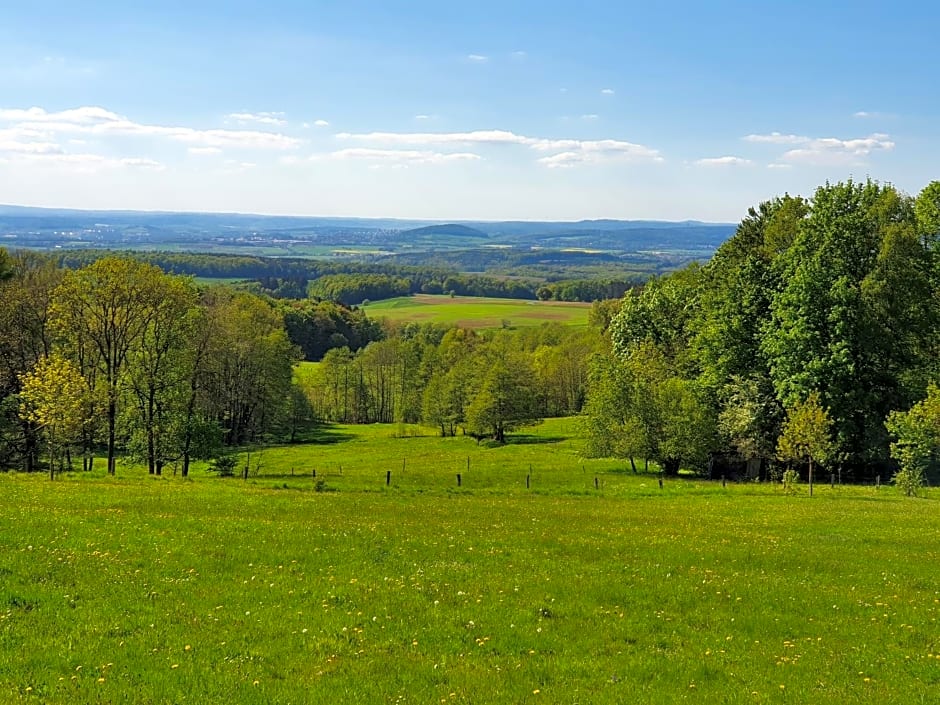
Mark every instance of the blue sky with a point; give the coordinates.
(447, 110)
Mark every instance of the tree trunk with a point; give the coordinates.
(671, 467)
(633, 465)
(112, 423)
(810, 477)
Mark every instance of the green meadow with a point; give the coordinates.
(340, 588)
(477, 312)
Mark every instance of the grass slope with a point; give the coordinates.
(478, 312)
(142, 590)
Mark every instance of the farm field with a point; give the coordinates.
(478, 312)
(220, 590)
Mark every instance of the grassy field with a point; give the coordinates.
(478, 312)
(211, 590)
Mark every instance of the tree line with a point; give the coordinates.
(482, 384)
(118, 355)
(811, 336)
(352, 283)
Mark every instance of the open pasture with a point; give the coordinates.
(478, 312)
(210, 590)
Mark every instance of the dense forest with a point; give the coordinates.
(809, 339)
(352, 283)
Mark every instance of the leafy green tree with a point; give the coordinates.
(614, 425)
(750, 417)
(853, 314)
(927, 211)
(25, 338)
(249, 366)
(159, 369)
(647, 409)
(917, 440)
(107, 307)
(52, 397)
(806, 436)
(507, 397)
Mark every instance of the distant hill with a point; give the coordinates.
(47, 228)
(445, 230)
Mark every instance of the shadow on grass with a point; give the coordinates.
(525, 439)
(325, 434)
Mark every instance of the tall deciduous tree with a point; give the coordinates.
(507, 396)
(107, 307)
(161, 367)
(854, 312)
(52, 397)
(248, 368)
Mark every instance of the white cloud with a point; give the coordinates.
(778, 165)
(321, 123)
(826, 151)
(422, 117)
(90, 163)
(477, 58)
(569, 152)
(589, 116)
(262, 118)
(874, 115)
(776, 138)
(833, 151)
(27, 142)
(398, 156)
(578, 152)
(723, 161)
(426, 138)
(98, 121)
(607, 91)
(204, 150)
(519, 55)
(140, 163)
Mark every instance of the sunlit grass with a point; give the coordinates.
(478, 312)
(210, 590)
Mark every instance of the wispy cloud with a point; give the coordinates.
(607, 91)
(263, 118)
(398, 156)
(477, 58)
(873, 115)
(776, 138)
(422, 116)
(204, 151)
(723, 161)
(93, 120)
(519, 55)
(321, 123)
(589, 116)
(825, 151)
(567, 152)
(88, 163)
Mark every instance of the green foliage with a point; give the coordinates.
(53, 398)
(917, 440)
(224, 465)
(855, 314)
(507, 396)
(806, 435)
(638, 406)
